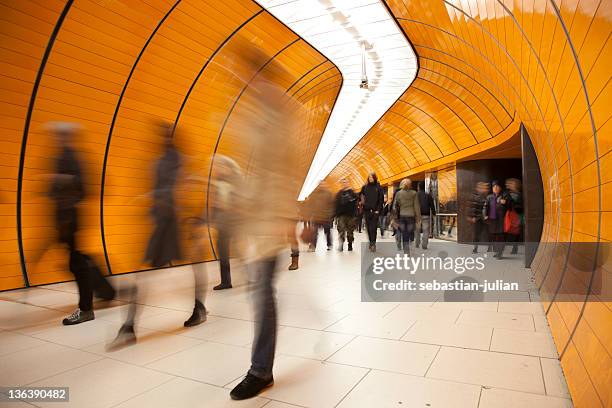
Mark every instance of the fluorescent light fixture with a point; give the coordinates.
(339, 29)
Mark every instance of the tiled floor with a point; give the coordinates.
(332, 349)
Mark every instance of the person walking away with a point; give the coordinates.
(359, 216)
(163, 246)
(494, 211)
(513, 186)
(384, 216)
(345, 213)
(226, 187)
(428, 209)
(408, 212)
(273, 189)
(476, 214)
(67, 191)
(322, 202)
(372, 197)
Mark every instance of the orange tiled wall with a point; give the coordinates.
(485, 67)
(114, 67)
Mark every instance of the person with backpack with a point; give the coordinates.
(345, 212)
(67, 191)
(494, 212)
(372, 197)
(428, 209)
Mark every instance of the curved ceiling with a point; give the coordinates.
(343, 31)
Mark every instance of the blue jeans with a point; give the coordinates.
(406, 226)
(264, 344)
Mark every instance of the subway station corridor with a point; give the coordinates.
(333, 350)
(193, 195)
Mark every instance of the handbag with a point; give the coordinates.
(512, 223)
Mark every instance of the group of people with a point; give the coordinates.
(496, 214)
(408, 213)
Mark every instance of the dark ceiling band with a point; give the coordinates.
(112, 127)
(26, 130)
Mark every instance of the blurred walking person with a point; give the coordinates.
(372, 197)
(345, 213)
(68, 191)
(274, 188)
(476, 214)
(163, 246)
(428, 210)
(494, 209)
(513, 187)
(322, 204)
(408, 212)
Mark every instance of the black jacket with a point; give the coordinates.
(373, 197)
(346, 203)
(426, 203)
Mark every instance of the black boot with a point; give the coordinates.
(350, 246)
(198, 316)
(250, 386)
(222, 286)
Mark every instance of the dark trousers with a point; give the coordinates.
(264, 344)
(407, 225)
(326, 229)
(87, 275)
(498, 243)
(359, 222)
(371, 219)
(223, 253)
(480, 232)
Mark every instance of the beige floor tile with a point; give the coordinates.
(509, 371)
(386, 390)
(306, 343)
(523, 342)
(28, 319)
(534, 308)
(308, 318)
(212, 363)
(373, 326)
(390, 355)
(311, 383)
(80, 335)
(496, 398)
(411, 312)
(26, 366)
(183, 393)
(553, 378)
(103, 384)
(512, 321)
(151, 346)
(449, 334)
(11, 342)
(222, 330)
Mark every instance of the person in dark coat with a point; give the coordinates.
(372, 198)
(68, 191)
(345, 212)
(476, 214)
(513, 187)
(494, 211)
(163, 245)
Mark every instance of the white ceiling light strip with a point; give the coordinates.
(343, 30)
